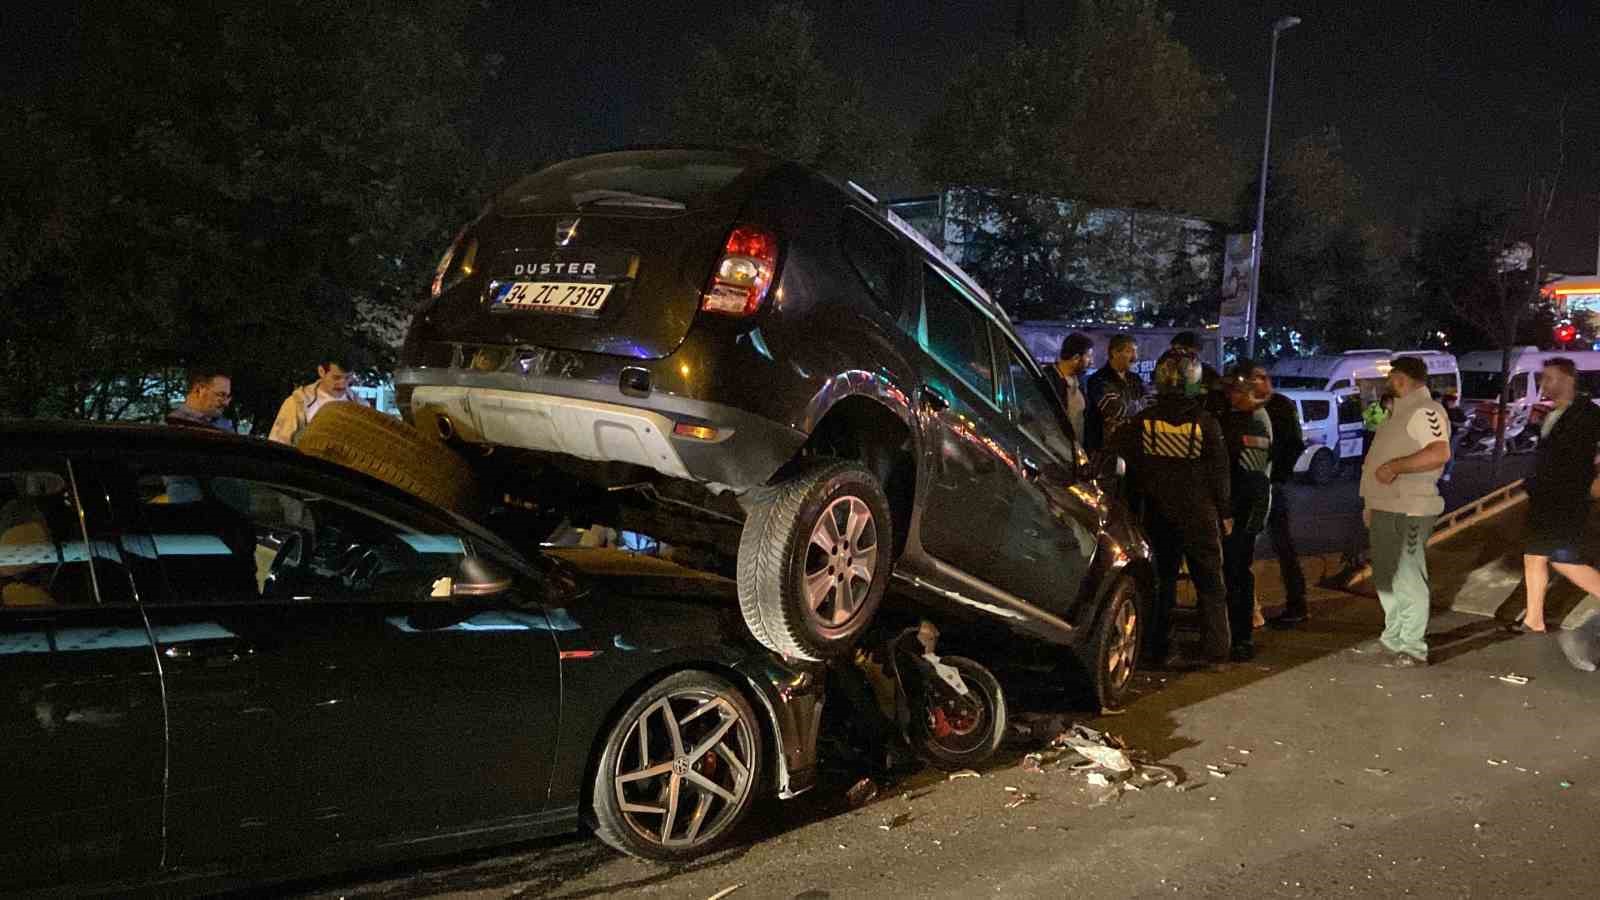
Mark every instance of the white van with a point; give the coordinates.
(1362, 372)
(1480, 374)
(1358, 374)
(1333, 432)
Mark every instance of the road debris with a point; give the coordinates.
(1498, 762)
(1033, 763)
(1513, 678)
(1020, 798)
(1566, 784)
(899, 821)
(1374, 770)
(862, 792)
(1099, 779)
(964, 773)
(725, 891)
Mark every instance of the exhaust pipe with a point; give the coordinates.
(446, 428)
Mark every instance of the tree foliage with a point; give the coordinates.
(762, 85)
(1115, 112)
(249, 184)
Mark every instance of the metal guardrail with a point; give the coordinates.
(1471, 513)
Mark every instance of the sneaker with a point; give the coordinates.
(1404, 661)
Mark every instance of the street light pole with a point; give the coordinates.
(1278, 27)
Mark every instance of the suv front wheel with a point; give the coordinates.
(814, 560)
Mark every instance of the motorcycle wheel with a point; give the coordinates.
(960, 732)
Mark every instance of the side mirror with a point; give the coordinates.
(475, 577)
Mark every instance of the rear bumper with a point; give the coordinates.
(597, 422)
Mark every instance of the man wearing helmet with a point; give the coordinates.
(1178, 467)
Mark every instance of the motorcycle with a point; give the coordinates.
(1522, 429)
(899, 698)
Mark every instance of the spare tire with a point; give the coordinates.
(359, 437)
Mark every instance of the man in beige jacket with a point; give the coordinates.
(303, 404)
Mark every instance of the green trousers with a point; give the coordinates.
(1400, 572)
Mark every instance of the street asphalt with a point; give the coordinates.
(1342, 778)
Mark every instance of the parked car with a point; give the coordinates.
(750, 339)
(1333, 432)
(224, 661)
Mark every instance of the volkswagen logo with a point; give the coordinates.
(566, 230)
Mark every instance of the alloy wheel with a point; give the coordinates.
(1124, 644)
(684, 768)
(841, 562)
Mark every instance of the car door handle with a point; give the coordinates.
(934, 399)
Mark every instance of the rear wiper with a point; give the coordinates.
(605, 197)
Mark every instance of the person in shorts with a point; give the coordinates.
(1562, 492)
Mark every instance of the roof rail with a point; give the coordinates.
(865, 194)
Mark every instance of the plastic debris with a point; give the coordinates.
(1498, 762)
(1566, 784)
(1020, 798)
(1099, 779)
(1373, 770)
(862, 792)
(1098, 748)
(964, 773)
(725, 891)
(1513, 678)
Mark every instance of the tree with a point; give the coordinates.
(761, 85)
(255, 184)
(1330, 276)
(1053, 152)
(1114, 112)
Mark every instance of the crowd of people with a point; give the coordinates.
(1209, 457)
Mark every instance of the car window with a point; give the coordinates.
(1314, 410)
(44, 559)
(878, 259)
(1037, 410)
(1589, 383)
(955, 333)
(234, 539)
(1350, 410)
(1340, 385)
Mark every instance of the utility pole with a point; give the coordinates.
(1259, 238)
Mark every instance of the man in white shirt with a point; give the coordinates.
(303, 404)
(1077, 356)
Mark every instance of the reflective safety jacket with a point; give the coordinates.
(1176, 460)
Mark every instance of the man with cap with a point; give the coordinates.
(1077, 355)
(1179, 471)
(1400, 494)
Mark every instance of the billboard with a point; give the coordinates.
(1236, 261)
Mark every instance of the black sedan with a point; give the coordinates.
(223, 661)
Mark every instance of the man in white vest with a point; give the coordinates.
(1400, 493)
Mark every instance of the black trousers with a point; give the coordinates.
(1238, 553)
(1197, 539)
(1294, 580)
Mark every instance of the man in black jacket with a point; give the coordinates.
(1113, 393)
(1179, 472)
(1288, 442)
(1562, 492)
(1247, 436)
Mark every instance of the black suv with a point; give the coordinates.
(723, 325)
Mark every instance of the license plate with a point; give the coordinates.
(573, 297)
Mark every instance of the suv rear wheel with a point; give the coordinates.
(814, 560)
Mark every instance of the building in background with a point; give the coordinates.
(1045, 258)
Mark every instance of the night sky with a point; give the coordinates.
(1431, 98)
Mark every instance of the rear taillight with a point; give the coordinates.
(743, 274)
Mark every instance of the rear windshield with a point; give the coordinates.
(662, 181)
